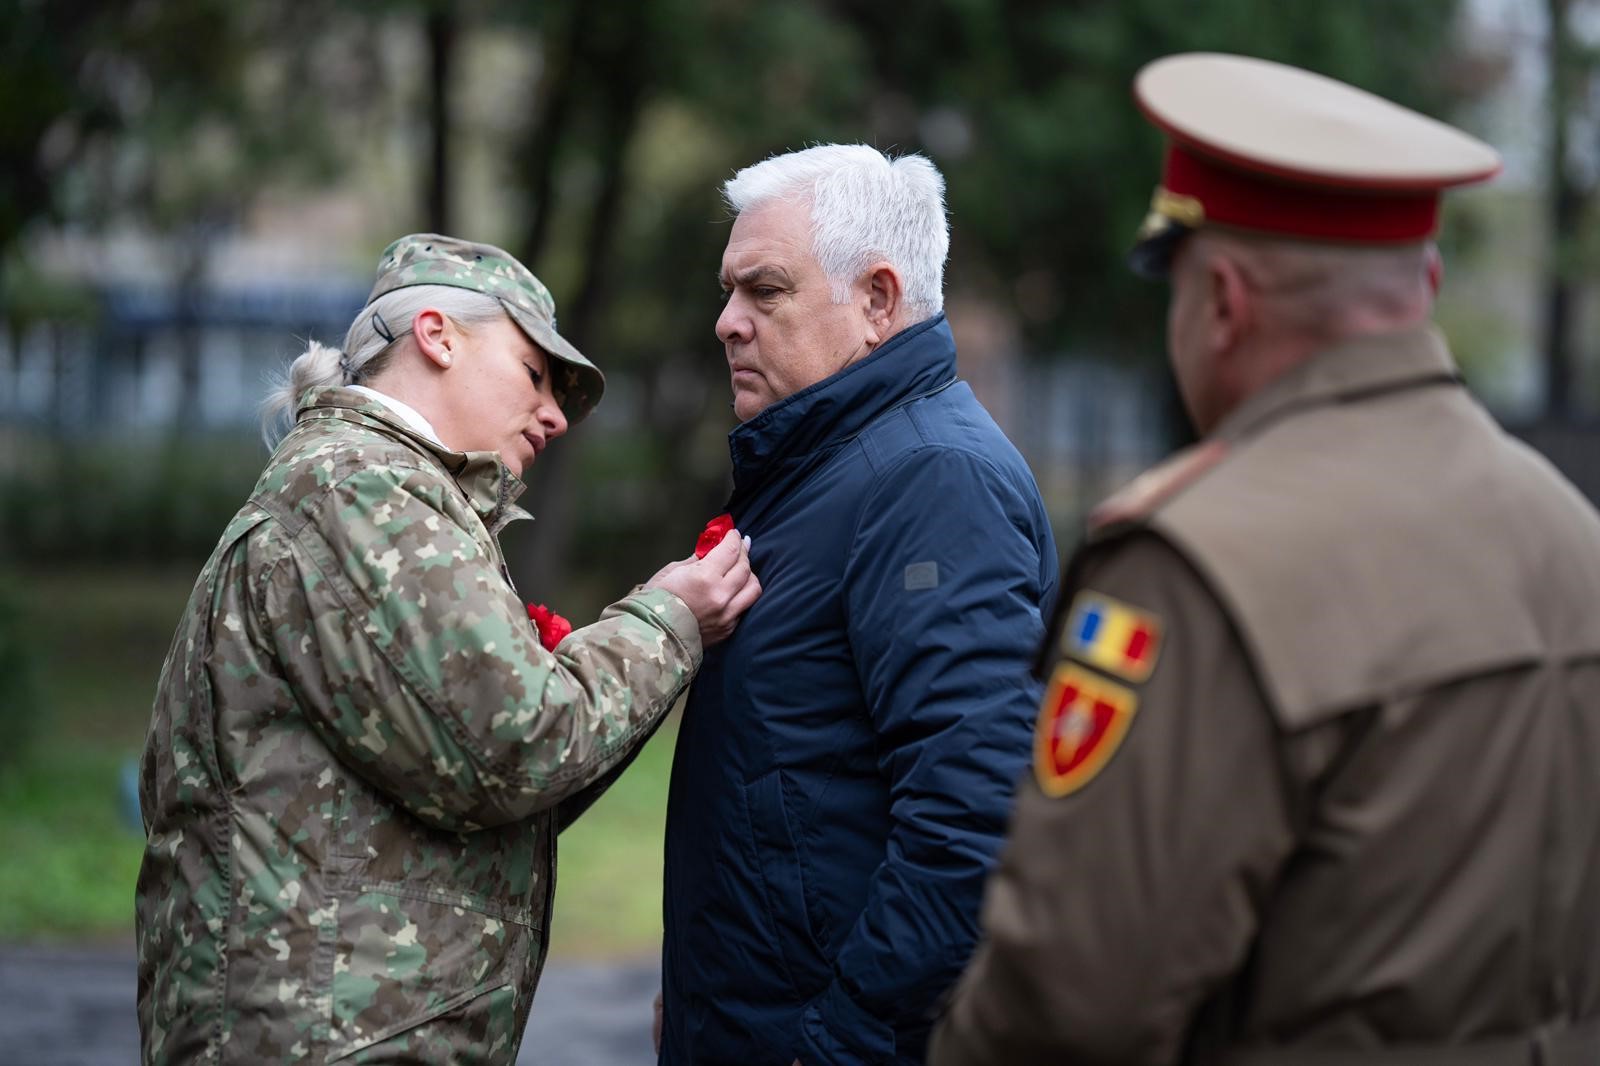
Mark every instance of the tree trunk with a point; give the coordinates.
(544, 553)
(441, 34)
(566, 64)
(622, 121)
(1566, 209)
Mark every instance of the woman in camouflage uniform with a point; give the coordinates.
(360, 753)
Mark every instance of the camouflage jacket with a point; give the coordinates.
(355, 756)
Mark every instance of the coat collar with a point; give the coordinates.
(490, 488)
(1353, 368)
(918, 360)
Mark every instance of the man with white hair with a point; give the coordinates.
(846, 762)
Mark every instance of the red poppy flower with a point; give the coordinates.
(712, 535)
(552, 627)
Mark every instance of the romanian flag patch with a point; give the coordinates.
(1081, 724)
(1108, 634)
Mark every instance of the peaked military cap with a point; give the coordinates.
(1260, 146)
(433, 259)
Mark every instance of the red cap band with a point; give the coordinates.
(1255, 201)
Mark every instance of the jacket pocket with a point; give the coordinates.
(777, 863)
(477, 1027)
(417, 966)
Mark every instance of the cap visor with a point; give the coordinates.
(592, 381)
(1151, 257)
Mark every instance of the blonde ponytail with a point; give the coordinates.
(315, 367)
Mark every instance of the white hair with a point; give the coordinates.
(865, 207)
(366, 348)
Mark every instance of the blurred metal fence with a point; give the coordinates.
(1574, 448)
(1087, 427)
(148, 359)
(152, 358)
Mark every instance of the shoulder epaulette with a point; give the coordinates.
(1155, 486)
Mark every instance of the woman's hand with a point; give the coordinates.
(718, 589)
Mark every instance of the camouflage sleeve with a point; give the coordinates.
(576, 806)
(416, 662)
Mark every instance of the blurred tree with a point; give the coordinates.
(41, 48)
(644, 110)
(597, 119)
(638, 120)
(168, 112)
(441, 34)
(1026, 104)
(172, 115)
(176, 112)
(1573, 168)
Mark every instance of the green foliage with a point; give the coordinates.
(99, 636)
(96, 640)
(1025, 104)
(72, 859)
(1060, 166)
(172, 114)
(608, 895)
(28, 296)
(637, 115)
(71, 863)
(39, 49)
(151, 501)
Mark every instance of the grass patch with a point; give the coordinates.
(608, 889)
(72, 853)
(71, 860)
(99, 638)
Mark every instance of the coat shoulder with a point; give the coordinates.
(1357, 545)
(949, 428)
(1136, 502)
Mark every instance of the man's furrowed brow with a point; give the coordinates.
(759, 273)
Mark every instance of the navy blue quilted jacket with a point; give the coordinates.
(846, 763)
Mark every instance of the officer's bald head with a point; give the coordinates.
(1246, 309)
(1318, 293)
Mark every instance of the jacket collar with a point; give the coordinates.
(490, 488)
(1354, 368)
(917, 360)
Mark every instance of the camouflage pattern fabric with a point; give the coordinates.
(434, 259)
(355, 758)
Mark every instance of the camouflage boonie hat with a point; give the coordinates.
(432, 259)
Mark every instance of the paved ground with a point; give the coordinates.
(74, 1007)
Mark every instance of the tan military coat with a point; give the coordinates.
(1318, 768)
(355, 758)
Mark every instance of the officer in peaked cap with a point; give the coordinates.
(1314, 775)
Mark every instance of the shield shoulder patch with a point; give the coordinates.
(1081, 723)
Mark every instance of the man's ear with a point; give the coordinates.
(1231, 306)
(885, 298)
(435, 337)
(1435, 269)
